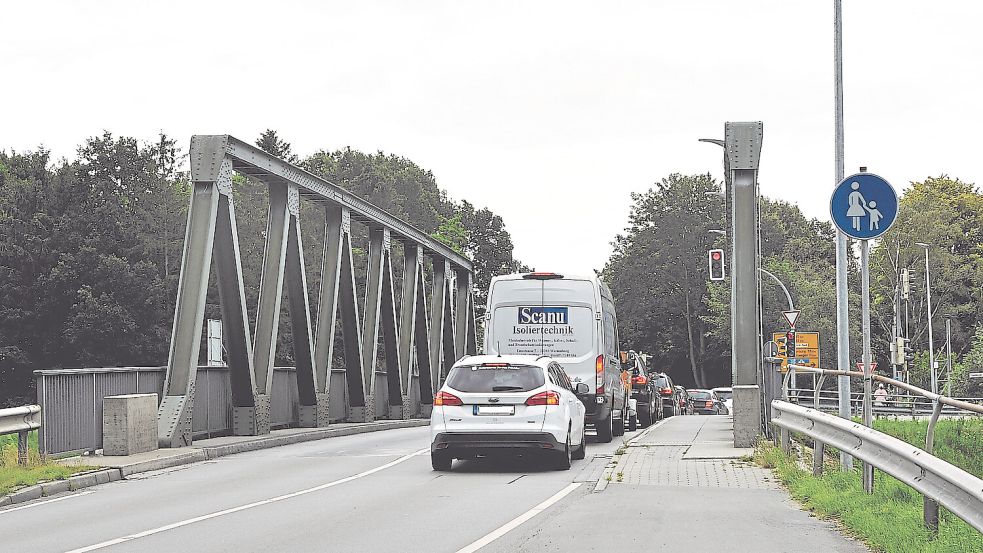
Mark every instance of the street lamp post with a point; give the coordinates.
(931, 345)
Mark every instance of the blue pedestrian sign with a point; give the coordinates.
(863, 206)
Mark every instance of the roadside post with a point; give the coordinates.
(863, 206)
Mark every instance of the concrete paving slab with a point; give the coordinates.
(716, 450)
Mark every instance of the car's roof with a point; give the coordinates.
(723, 389)
(538, 360)
(697, 390)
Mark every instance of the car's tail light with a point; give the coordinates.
(666, 391)
(446, 398)
(599, 369)
(640, 380)
(709, 404)
(540, 275)
(544, 398)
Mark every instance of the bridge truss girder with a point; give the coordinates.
(420, 342)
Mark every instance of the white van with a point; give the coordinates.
(572, 320)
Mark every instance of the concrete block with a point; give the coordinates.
(5, 500)
(129, 424)
(58, 486)
(747, 415)
(27, 494)
(82, 481)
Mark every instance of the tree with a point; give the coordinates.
(270, 143)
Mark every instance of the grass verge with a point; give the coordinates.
(13, 476)
(889, 520)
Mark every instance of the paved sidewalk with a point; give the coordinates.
(683, 487)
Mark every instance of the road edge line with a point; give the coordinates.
(517, 521)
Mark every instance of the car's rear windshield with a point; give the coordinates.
(697, 394)
(512, 378)
(724, 394)
(661, 381)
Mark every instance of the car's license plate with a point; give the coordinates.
(499, 410)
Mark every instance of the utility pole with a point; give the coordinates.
(931, 345)
(842, 300)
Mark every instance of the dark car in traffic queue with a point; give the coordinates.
(706, 402)
(667, 391)
(648, 402)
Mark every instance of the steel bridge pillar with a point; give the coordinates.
(742, 145)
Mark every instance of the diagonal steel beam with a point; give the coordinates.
(312, 406)
(328, 303)
(271, 288)
(174, 414)
(441, 274)
(378, 243)
(390, 340)
(408, 321)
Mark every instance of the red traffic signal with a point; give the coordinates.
(790, 344)
(715, 258)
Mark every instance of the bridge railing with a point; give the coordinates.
(939, 481)
(71, 402)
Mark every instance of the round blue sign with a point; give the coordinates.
(863, 206)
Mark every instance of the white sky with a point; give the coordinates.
(549, 113)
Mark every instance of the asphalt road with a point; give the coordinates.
(370, 492)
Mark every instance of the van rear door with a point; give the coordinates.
(554, 317)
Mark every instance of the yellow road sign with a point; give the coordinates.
(806, 349)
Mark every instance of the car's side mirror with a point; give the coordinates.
(581, 388)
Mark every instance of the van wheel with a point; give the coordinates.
(605, 429)
(441, 461)
(618, 427)
(645, 417)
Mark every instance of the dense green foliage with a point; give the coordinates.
(90, 249)
(891, 518)
(667, 307)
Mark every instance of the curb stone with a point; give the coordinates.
(112, 474)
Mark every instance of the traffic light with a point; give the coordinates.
(905, 284)
(781, 347)
(909, 354)
(790, 344)
(716, 260)
(897, 351)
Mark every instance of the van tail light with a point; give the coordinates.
(709, 404)
(640, 380)
(445, 398)
(544, 398)
(666, 391)
(599, 369)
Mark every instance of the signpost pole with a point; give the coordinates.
(868, 369)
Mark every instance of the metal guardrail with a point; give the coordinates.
(72, 402)
(895, 404)
(949, 485)
(888, 458)
(20, 421)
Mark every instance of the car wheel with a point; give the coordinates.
(581, 451)
(563, 461)
(441, 461)
(645, 417)
(605, 429)
(632, 423)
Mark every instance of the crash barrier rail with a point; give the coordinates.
(421, 341)
(20, 421)
(72, 400)
(950, 486)
(895, 404)
(938, 481)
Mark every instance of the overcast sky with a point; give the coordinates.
(549, 113)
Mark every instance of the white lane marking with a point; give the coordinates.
(515, 522)
(216, 514)
(39, 503)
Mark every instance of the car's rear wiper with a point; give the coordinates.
(507, 388)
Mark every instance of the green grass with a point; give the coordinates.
(890, 520)
(13, 476)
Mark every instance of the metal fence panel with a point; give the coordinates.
(71, 402)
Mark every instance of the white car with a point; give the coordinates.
(727, 396)
(507, 404)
